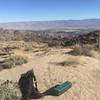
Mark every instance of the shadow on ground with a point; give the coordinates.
(49, 92)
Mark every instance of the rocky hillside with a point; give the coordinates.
(52, 38)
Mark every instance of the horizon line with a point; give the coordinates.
(50, 20)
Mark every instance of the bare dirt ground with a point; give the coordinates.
(82, 71)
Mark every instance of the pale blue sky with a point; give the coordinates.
(34, 10)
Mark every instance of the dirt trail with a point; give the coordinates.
(85, 76)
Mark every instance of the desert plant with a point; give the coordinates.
(9, 91)
(12, 61)
(90, 47)
(78, 51)
(68, 62)
(29, 48)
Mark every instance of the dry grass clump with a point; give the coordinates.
(9, 91)
(14, 60)
(90, 47)
(3, 53)
(68, 62)
(28, 48)
(82, 51)
(96, 74)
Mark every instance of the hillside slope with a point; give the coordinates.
(83, 72)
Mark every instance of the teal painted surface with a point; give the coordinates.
(59, 89)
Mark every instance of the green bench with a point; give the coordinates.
(60, 89)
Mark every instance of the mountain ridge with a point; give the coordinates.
(53, 24)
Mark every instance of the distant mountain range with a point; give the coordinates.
(57, 24)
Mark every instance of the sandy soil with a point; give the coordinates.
(84, 75)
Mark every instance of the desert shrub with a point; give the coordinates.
(12, 61)
(67, 62)
(9, 91)
(3, 53)
(90, 47)
(29, 48)
(78, 51)
(14, 47)
(74, 46)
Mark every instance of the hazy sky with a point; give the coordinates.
(27, 10)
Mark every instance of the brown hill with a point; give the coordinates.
(52, 38)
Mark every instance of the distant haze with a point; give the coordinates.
(57, 24)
